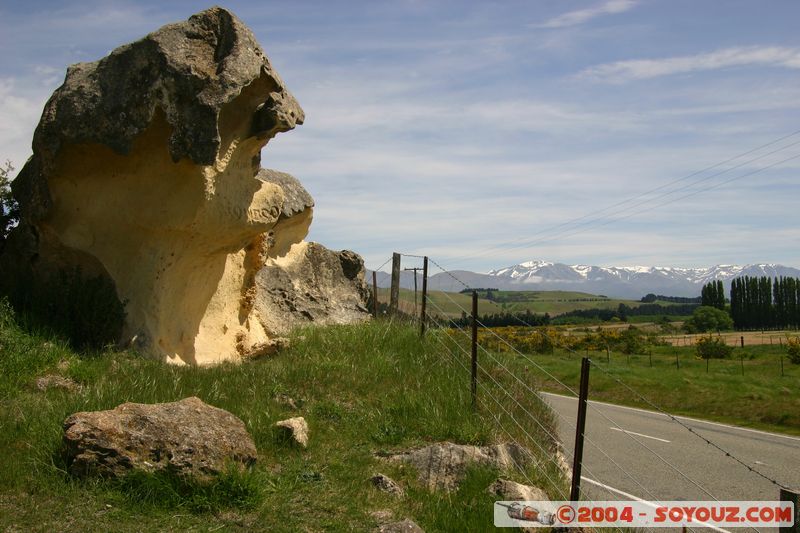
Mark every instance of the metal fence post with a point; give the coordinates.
(791, 496)
(474, 388)
(577, 461)
(422, 316)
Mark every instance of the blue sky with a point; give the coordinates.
(473, 131)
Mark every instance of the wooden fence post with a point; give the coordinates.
(394, 296)
(580, 430)
(422, 316)
(374, 294)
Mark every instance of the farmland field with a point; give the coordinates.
(756, 386)
(553, 302)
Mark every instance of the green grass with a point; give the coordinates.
(761, 398)
(363, 390)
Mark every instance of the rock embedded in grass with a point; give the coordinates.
(54, 381)
(384, 483)
(188, 438)
(404, 526)
(442, 466)
(295, 429)
(511, 490)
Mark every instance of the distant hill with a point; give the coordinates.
(614, 282)
(452, 304)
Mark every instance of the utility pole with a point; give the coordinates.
(415, 269)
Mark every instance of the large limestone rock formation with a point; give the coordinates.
(146, 170)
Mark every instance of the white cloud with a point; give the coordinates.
(20, 114)
(639, 69)
(580, 16)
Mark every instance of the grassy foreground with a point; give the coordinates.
(363, 389)
(746, 389)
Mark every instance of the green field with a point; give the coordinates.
(759, 398)
(447, 303)
(540, 302)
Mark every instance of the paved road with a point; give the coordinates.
(622, 433)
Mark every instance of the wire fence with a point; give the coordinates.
(506, 393)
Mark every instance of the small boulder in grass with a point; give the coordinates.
(294, 429)
(189, 438)
(386, 484)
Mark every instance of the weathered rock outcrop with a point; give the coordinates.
(146, 170)
(187, 438)
(442, 466)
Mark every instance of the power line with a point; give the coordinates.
(644, 194)
(564, 234)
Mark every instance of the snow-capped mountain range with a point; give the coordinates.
(621, 282)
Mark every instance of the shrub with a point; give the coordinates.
(793, 349)
(710, 347)
(9, 210)
(707, 318)
(631, 341)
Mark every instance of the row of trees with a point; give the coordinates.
(622, 312)
(713, 295)
(651, 298)
(503, 319)
(761, 302)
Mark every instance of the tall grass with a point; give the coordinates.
(363, 389)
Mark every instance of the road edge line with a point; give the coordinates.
(770, 433)
(645, 502)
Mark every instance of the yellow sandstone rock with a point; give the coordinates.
(146, 169)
